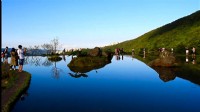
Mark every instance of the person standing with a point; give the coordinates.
(16, 57)
(2, 55)
(13, 60)
(133, 52)
(187, 59)
(187, 51)
(116, 51)
(122, 51)
(193, 52)
(6, 55)
(144, 53)
(21, 57)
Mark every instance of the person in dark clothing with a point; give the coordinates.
(6, 55)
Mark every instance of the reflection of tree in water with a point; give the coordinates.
(24, 95)
(56, 71)
(33, 60)
(37, 61)
(26, 60)
(63, 57)
(47, 63)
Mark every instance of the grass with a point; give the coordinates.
(179, 34)
(7, 77)
(13, 85)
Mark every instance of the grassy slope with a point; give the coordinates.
(184, 32)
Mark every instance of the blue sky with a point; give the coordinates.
(86, 23)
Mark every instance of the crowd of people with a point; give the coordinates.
(188, 52)
(17, 57)
(119, 52)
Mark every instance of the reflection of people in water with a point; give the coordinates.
(78, 75)
(117, 57)
(187, 59)
(72, 57)
(23, 96)
(193, 60)
(64, 58)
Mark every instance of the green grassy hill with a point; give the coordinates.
(184, 32)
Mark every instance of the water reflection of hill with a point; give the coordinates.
(189, 69)
(190, 72)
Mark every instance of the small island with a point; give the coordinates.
(93, 59)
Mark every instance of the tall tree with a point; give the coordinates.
(55, 44)
(51, 47)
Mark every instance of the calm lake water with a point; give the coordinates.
(127, 85)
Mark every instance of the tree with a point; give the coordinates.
(51, 47)
(55, 44)
(47, 47)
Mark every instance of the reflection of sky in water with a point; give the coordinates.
(122, 86)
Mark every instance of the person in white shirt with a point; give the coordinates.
(21, 57)
(187, 51)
